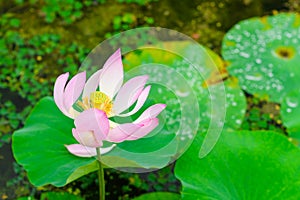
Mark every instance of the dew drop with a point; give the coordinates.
(288, 110)
(288, 35)
(182, 93)
(292, 102)
(238, 121)
(245, 55)
(295, 41)
(258, 61)
(254, 77)
(270, 74)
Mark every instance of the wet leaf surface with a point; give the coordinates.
(290, 112)
(263, 53)
(236, 165)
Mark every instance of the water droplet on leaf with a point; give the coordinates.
(292, 102)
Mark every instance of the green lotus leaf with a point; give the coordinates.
(213, 72)
(290, 112)
(145, 161)
(243, 165)
(158, 196)
(263, 53)
(39, 147)
(198, 86)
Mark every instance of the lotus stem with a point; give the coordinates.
(101, 181)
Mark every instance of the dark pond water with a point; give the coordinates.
(6, 170)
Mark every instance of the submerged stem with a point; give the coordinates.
(100, 176)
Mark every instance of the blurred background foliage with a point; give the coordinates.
(40, 39)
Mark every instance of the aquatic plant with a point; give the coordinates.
(241, 166)
(92, 125)
(264, 53)
(260, 59)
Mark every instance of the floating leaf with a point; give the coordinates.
(264, 54)
(290, 112)
(203, 85)
(39, 146)
(242, 165)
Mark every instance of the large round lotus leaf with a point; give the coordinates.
(264, 53)
(218, 105)
(257, 165)
(205, 85)
(39, 147)
(290, 112)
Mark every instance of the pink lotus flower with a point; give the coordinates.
(100, 97)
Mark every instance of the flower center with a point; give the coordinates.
(102, 102)
(98, 100)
